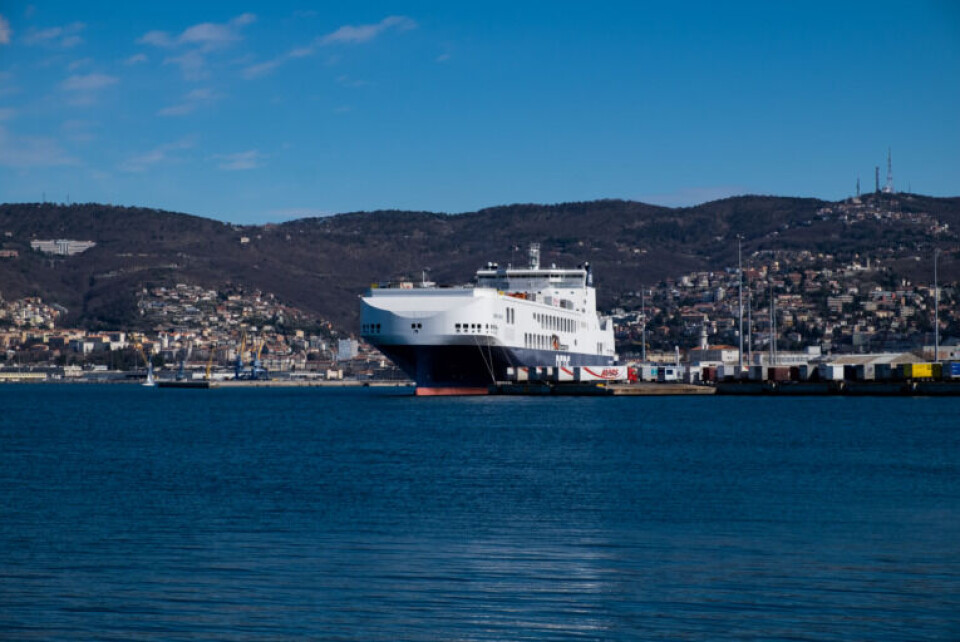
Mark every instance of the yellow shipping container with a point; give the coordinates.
(921, 370)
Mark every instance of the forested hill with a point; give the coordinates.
(321, 265)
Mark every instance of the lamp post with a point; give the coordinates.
(936, 308)
(643, 332)
(740, 297)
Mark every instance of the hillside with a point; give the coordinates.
(321, 265)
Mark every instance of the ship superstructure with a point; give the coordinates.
(461, 340)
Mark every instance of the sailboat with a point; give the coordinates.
(150, 380)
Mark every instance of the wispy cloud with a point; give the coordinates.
(84, 88)
(196, 42)
(135, 59)
(251, 159)
(79, 131)
(5, 31)
(206, 35)
(193, 65)
(353, 34)
(190, 102)
(77, 64)
(165, 153)
(347, 81)
(7, 86)
(65, 37)
(88, 82)
(7, 113)
(345, 35)
(25, 152)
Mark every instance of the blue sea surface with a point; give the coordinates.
(368, 514)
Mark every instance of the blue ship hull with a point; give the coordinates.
(476, 367)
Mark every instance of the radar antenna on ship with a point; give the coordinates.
(534, 256)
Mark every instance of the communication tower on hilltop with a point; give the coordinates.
(877, 173)
(888, 188)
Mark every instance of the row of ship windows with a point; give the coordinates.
(541, 341)
(475, 327)
(371, 328)
(550, 322)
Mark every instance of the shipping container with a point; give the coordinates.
(565, 374)
(757, 373)
(709, 373)
(864, 372)
(794, 373)
(830, 372)
(518, 374)
(668, 374)
(808, 371)
(601, 373)
(541, 373)
(649, 373)
(884, 372)
(727, 372)
(778, 374)
(921, 370)
(951, 370)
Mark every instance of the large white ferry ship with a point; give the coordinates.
(461, 340)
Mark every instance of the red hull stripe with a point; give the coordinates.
(450, 391)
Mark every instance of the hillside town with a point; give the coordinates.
(196, 331)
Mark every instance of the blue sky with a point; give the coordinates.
(263, 112)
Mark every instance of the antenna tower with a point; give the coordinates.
(877, 173)
(888, 188)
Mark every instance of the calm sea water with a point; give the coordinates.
(131, 513)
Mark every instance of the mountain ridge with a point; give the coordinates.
(322, 264)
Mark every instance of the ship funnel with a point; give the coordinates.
(534, 256)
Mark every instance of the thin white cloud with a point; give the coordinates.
(135, 59)
(7, 86)
(244, 19)
(65, 37)
(88, 82)
(77, 64)
(189, 103)
(193, 65)
(205, 35)
(5, 31)
(347, 34)
(7, 113)
(79, 131)
(157, 39)
(262, 69)
(162, 154)
(354, 83)
(352, 34)
(26, 152)
(251, 159)
(196, 42)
